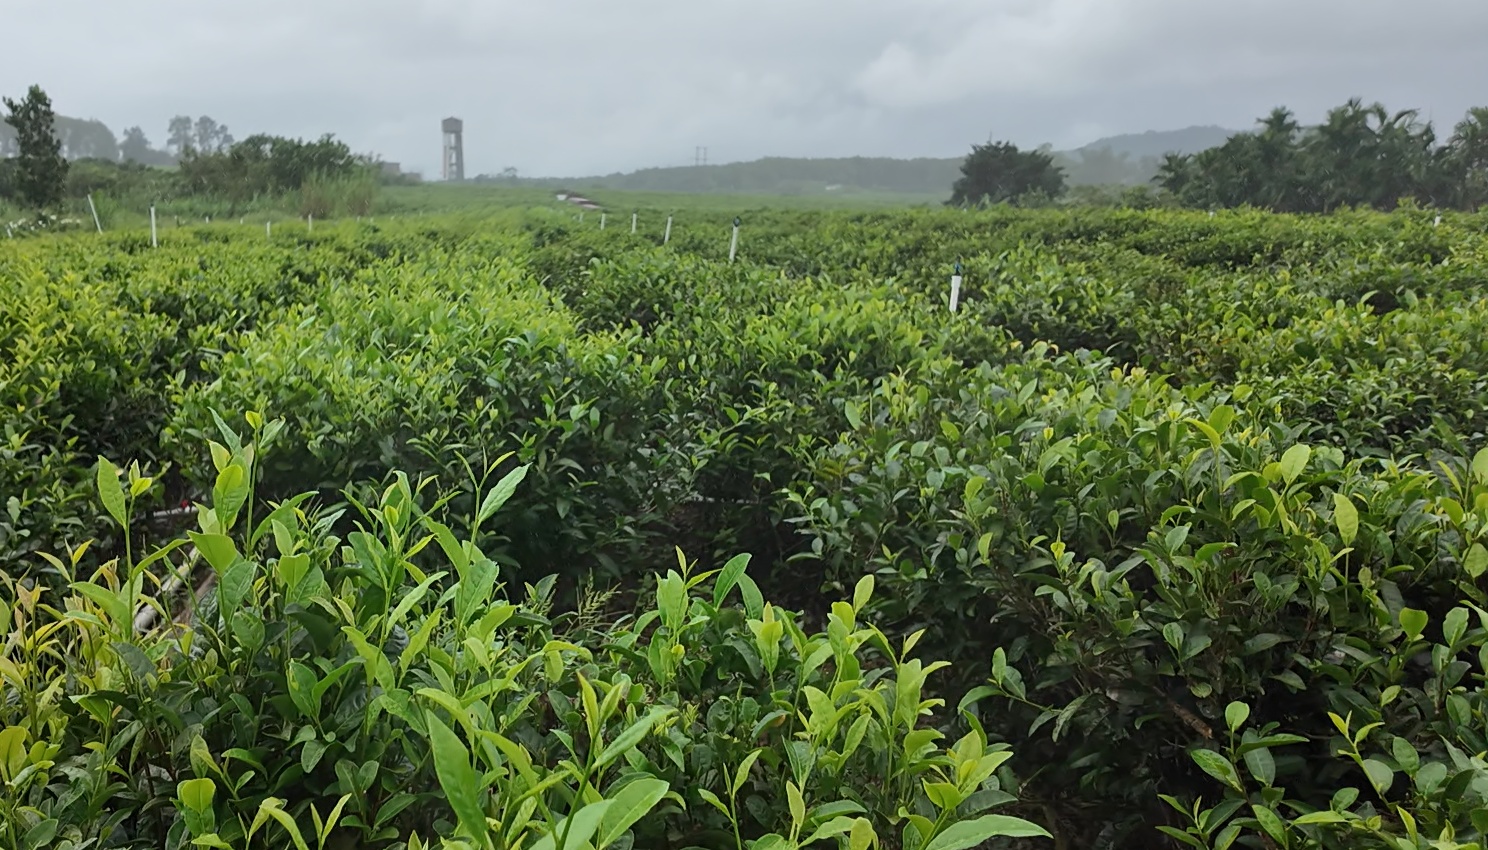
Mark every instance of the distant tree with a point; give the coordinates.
(509, 174)
(135, 147)
(264, 165)
(999, 172)
(211, 137)
(41, 171)
(180, 135)
(87, 139)
(1468, 150)
(1360, 155)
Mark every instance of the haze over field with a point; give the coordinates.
(585, 87)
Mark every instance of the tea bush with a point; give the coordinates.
(1195, 507)
(391, 686)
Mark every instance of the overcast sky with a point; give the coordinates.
(569, 87)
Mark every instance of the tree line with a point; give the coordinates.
(39, 169)
(92, 139)
(1359, 156)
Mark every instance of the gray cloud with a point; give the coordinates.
(581, 86)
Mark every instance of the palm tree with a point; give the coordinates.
(1468, 152)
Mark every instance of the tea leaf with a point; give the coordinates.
(632, 736)
(1475, 563)
(576, 830)
(456, 776)
(970, 833)
(729, 577)
(1236, 714)
(1346, 517)
(499, 494)
(630, 804)
(111, 491)
(1294, 461)
(197, 794)
(1380, 775)
(1218, 767)
(1413, 622)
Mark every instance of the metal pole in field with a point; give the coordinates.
(956, 288)
(667, 237)
(633, 222)
(734, 243)
(154, 234)
(94, 210)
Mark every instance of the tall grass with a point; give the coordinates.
(326, 197)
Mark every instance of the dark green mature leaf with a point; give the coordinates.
(1218, 767)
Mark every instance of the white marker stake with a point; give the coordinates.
(633, 222)
(602, 217)
(95, 213)
(309, 224)
(956, 288)
(734, 243)
(154, 237)
(269, 229)
(667, 237)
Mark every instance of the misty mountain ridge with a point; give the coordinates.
(1155, 143)
(1123, 160)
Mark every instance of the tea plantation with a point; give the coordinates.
(505, 531)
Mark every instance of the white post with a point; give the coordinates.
(667, 237)
(602, 217)
(269, 229)
(94, 210)
(633, 222)
(154, 236)
(956, 288)
(734, 243)
(309, 223)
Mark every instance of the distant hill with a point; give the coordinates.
(1155, 143)
(777, 176)
(1117, 160)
